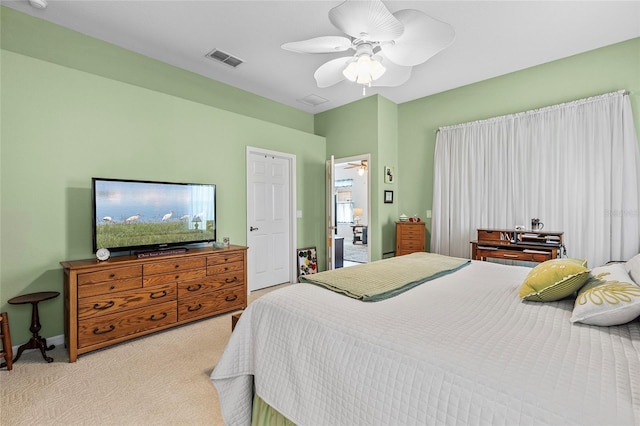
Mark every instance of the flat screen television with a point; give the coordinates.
(144, 215)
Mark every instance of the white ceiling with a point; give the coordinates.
(492, 38)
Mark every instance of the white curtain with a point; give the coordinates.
(575, 166)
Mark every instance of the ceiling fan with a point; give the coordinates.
(362, 166)
(387, 45)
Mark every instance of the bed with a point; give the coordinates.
(462, 348)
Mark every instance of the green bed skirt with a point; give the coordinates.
(265, 415)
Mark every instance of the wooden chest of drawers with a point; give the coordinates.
(410, 237)
(126, 297)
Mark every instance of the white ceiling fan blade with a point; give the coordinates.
(330, 73)
(423, 37)
(395, 75)
(328, 44)
(366, 20)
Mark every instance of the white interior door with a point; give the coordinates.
(268, 219)
(331, 212)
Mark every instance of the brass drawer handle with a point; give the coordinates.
(510, 255)
(97, 330)
(231, 298)
(109, 304)
(194, 287)
(230, 280)
(190, 309)
(153, 317)
(153, 295)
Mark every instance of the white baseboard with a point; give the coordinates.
(53, 340)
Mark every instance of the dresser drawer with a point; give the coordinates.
(411, 237)
(173, 277)
(211, 303)
(109, 327)
(111, 274)
(109, 287)
(514, 255)
(412, 231)
(413, 244)
(489, 235)
(224, 258)
(173, 266)
(225, 267)
(105, 304)
(198, 287)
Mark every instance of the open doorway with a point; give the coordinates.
(352, 210)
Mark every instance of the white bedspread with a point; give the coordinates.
(462, 349)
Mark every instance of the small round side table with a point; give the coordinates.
(36, 341)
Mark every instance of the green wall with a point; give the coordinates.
(387, 156)
(61, 126)
(41, 39)
(592, 73)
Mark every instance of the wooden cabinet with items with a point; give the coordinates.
(528, 246)
(410, 237)
(126, 297)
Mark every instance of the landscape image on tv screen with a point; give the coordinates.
(137, 214)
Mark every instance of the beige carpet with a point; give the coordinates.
(161, 379)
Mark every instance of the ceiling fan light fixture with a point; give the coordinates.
(364, 70)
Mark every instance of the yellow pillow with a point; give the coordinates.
(554, 279)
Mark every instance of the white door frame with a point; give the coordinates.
(291, 158)
(355, 158)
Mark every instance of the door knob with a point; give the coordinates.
(253, 229)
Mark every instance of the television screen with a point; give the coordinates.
(130, 214)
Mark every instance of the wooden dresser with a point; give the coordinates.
(528, 246)
(126, 297)
(410, 237)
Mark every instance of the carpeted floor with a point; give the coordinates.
(161, 379)
(355, 252)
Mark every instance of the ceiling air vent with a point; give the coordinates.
(313, 100)
(223, 57)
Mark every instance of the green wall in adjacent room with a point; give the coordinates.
(61, 126)
(592, 73)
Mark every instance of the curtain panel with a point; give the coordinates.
(575, 166)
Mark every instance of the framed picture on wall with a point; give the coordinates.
(307, 261)
(389, 174)
(388, 197)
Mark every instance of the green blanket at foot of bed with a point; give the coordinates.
(386, 278)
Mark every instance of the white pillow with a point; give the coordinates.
(609, 297)
(633, 268)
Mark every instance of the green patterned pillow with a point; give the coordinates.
(554, 279)
(608, 298)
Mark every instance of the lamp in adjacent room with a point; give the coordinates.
(357, 214)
